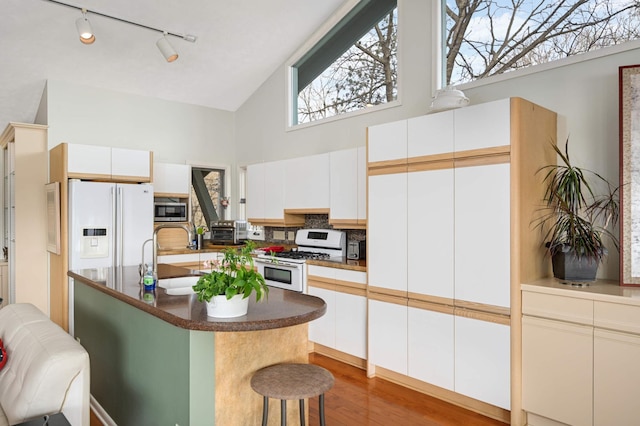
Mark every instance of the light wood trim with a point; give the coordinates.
(170, 195)
(430, 306)
(481, 307)
(321, 283)
(386, 163)
(381, 297)
(389, 170)
(150, 167)
(347, 223)
(172, 238)
(483, 152)
(305, 211)
(482, 316)
(288, 221)
(88, 176)
(387, 291)
(443, 394)
(340, 356)
(431, 299)
(351, 284)
(130, 179)
(356, 291)
(432, 165)
(9, 132)
(482, 161)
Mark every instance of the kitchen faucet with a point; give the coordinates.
(155, 239)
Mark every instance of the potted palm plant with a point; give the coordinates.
(576, 222)
(226, 289)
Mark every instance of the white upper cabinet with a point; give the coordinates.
(483, 126)
(362, 184)
(255, 191)
(93, 161)
(430, 134)
(388, 141)
(171, 179)
(348, 186)
(274, 187)
(307, 182)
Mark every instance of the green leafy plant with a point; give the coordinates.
(200, 230)
(235, 274)
(575, 217)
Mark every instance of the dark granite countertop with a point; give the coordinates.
(283, 308)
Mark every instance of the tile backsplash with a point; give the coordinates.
(316, 221)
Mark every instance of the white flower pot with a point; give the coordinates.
(221, 307)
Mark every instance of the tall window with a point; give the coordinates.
(207, 195)
(353, 67)
(488, 37)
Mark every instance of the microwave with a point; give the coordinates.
(170, 212)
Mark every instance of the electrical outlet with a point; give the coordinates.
(278, 235)
(291, 235)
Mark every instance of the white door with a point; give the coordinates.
(323, 330)
(388, 335)
(387, 141)
(135, 222)
(274, 175)
(255, 191)
(362, 183)
(130, 162)
(344, 184)
(483, 125)
(351, 324)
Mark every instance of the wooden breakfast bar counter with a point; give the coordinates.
(164, 362)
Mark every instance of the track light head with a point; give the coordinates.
(84, 29)
(166, 49)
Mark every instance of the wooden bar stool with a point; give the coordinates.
(291, 381)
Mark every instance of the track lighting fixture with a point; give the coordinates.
(84, 29)
(166, 49)
(87, 36)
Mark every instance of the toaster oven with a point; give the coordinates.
(231, 232)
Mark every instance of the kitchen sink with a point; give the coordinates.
(179, 285)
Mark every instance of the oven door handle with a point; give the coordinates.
(278, 263)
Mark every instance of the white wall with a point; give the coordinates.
(585, 95)
(175, 132)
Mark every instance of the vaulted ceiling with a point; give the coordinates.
(240, 43)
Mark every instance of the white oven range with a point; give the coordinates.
(288, 269)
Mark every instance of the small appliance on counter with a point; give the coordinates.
(357, 250)
(228, 232)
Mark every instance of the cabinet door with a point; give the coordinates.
(307, 182)
(430, 233)
(387, 231)
(88, 160)
(172, 179)
(430, 134)
(362, 183)
(388, 335)
(130, 163)
(255, 191)
(387, 141)
(344, 184)
(483, 126)
(274, 190)
(430, 347)
(482, 234)
(323, 329)
(351, 324)
(557, 370)
(616, 378)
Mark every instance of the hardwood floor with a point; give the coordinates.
(357, 400)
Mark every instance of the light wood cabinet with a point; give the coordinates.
(106, 163)
(342, 330)
(25, 175)
(171, 180)
(451, 196)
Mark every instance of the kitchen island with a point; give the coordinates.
(161, 360)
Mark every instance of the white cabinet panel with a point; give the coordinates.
(89, 159)
(483, 125)
(430, 134)
(255, 191)
(130, 162)
(274, 174)
(323, 330)
(431, 347)
(351, 324)
(557, 370)
(387, 230)
(388, 335)
(616, 377)
(172, 178)
(344, 184)
(362, 183)
(307, 182)
(388, 141)
(430, 237)
(482, 234)
(482, 361)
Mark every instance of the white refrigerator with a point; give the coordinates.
(108, 225)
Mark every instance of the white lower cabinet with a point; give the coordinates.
(351, 324)
(388, 335)
(431, 347)
(323, 329)
(482, 361)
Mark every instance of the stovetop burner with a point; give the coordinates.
(306, 255)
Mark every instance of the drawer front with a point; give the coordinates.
(351, 276)
(562, 308)
(616, 316)
(321, 271)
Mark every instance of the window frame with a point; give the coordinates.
(224, 213)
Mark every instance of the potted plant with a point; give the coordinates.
(576, 221)
(226, 289)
